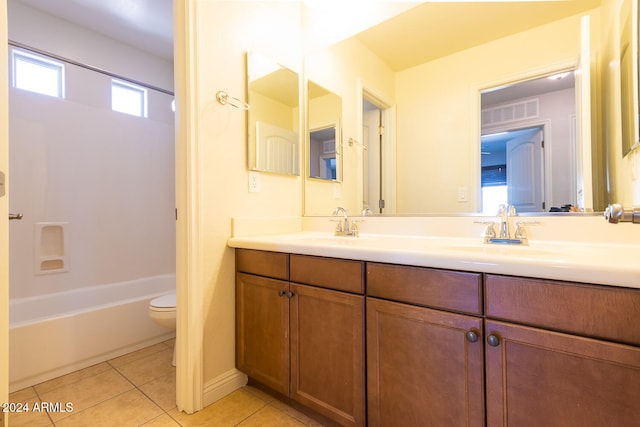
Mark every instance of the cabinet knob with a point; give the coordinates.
(290, 294)
(281, 293)
(472, 336)
(493, 340)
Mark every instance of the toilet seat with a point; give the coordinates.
(163, 303)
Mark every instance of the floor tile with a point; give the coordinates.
(227, 412)
(29, 414)
(270, 417)
(163, 420)
(162, 391)
(149, 367)
(72, 377)
(131, 408)
(136, 355)
(294, 413)
(87, 392)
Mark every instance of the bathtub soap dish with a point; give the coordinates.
(51, 248)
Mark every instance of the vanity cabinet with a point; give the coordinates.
(425, 363)
(561, 354)
(302, 333)
(443, 348)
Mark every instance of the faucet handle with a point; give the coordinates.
(521, 232)
(489, 231)
(511, 210)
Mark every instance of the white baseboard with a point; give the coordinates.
(222, 385)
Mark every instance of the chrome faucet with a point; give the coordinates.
(504, 212)
(345, 226)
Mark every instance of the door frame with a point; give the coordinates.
(4, 213)
(388, 152)
(476, 128)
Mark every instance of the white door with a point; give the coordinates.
(525, 177)
(584, 178)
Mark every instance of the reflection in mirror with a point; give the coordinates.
(273, 119)
(629, 75)
(430, 65)
(322, 153)
(528, 142)
(324, 110)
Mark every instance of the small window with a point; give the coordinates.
(37, 73)
(128, 98)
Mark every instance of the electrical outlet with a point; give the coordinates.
(254, 182)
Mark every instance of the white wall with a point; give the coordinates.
(109, 175)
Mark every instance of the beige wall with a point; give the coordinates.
(625, 171)
(438, 110)
(212, 161)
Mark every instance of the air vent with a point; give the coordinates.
(510, 112)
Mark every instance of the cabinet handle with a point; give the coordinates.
(281, 293)
(472, 336)
(493, 340)
(290, 294)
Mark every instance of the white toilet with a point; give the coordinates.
(163, 311)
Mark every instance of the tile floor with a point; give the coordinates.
(138, 389)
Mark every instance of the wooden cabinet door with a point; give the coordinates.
(262, 330)
(422, 368)
(542, 378)
(327, 353)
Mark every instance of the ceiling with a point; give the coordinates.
(416, 36)
(144, 24)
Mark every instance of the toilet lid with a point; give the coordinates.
(164, 301)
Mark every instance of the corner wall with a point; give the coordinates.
(212, 170)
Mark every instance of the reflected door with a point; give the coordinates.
(525, 182)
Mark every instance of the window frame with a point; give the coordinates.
(42, 61)
(121, 84)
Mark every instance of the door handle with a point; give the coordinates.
(15, 216)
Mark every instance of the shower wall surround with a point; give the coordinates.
(96, 187)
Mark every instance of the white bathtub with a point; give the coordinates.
(54, 334)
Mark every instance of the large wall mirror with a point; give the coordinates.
(273, 118)
(433, 66)
(629, 75)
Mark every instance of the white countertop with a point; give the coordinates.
(616, 264)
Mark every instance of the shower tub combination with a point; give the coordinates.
(52, 335)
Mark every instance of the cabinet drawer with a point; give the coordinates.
(597, 311)
(449, 290)
(332, 273)
(263, 263)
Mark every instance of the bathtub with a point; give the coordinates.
(54, 334)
